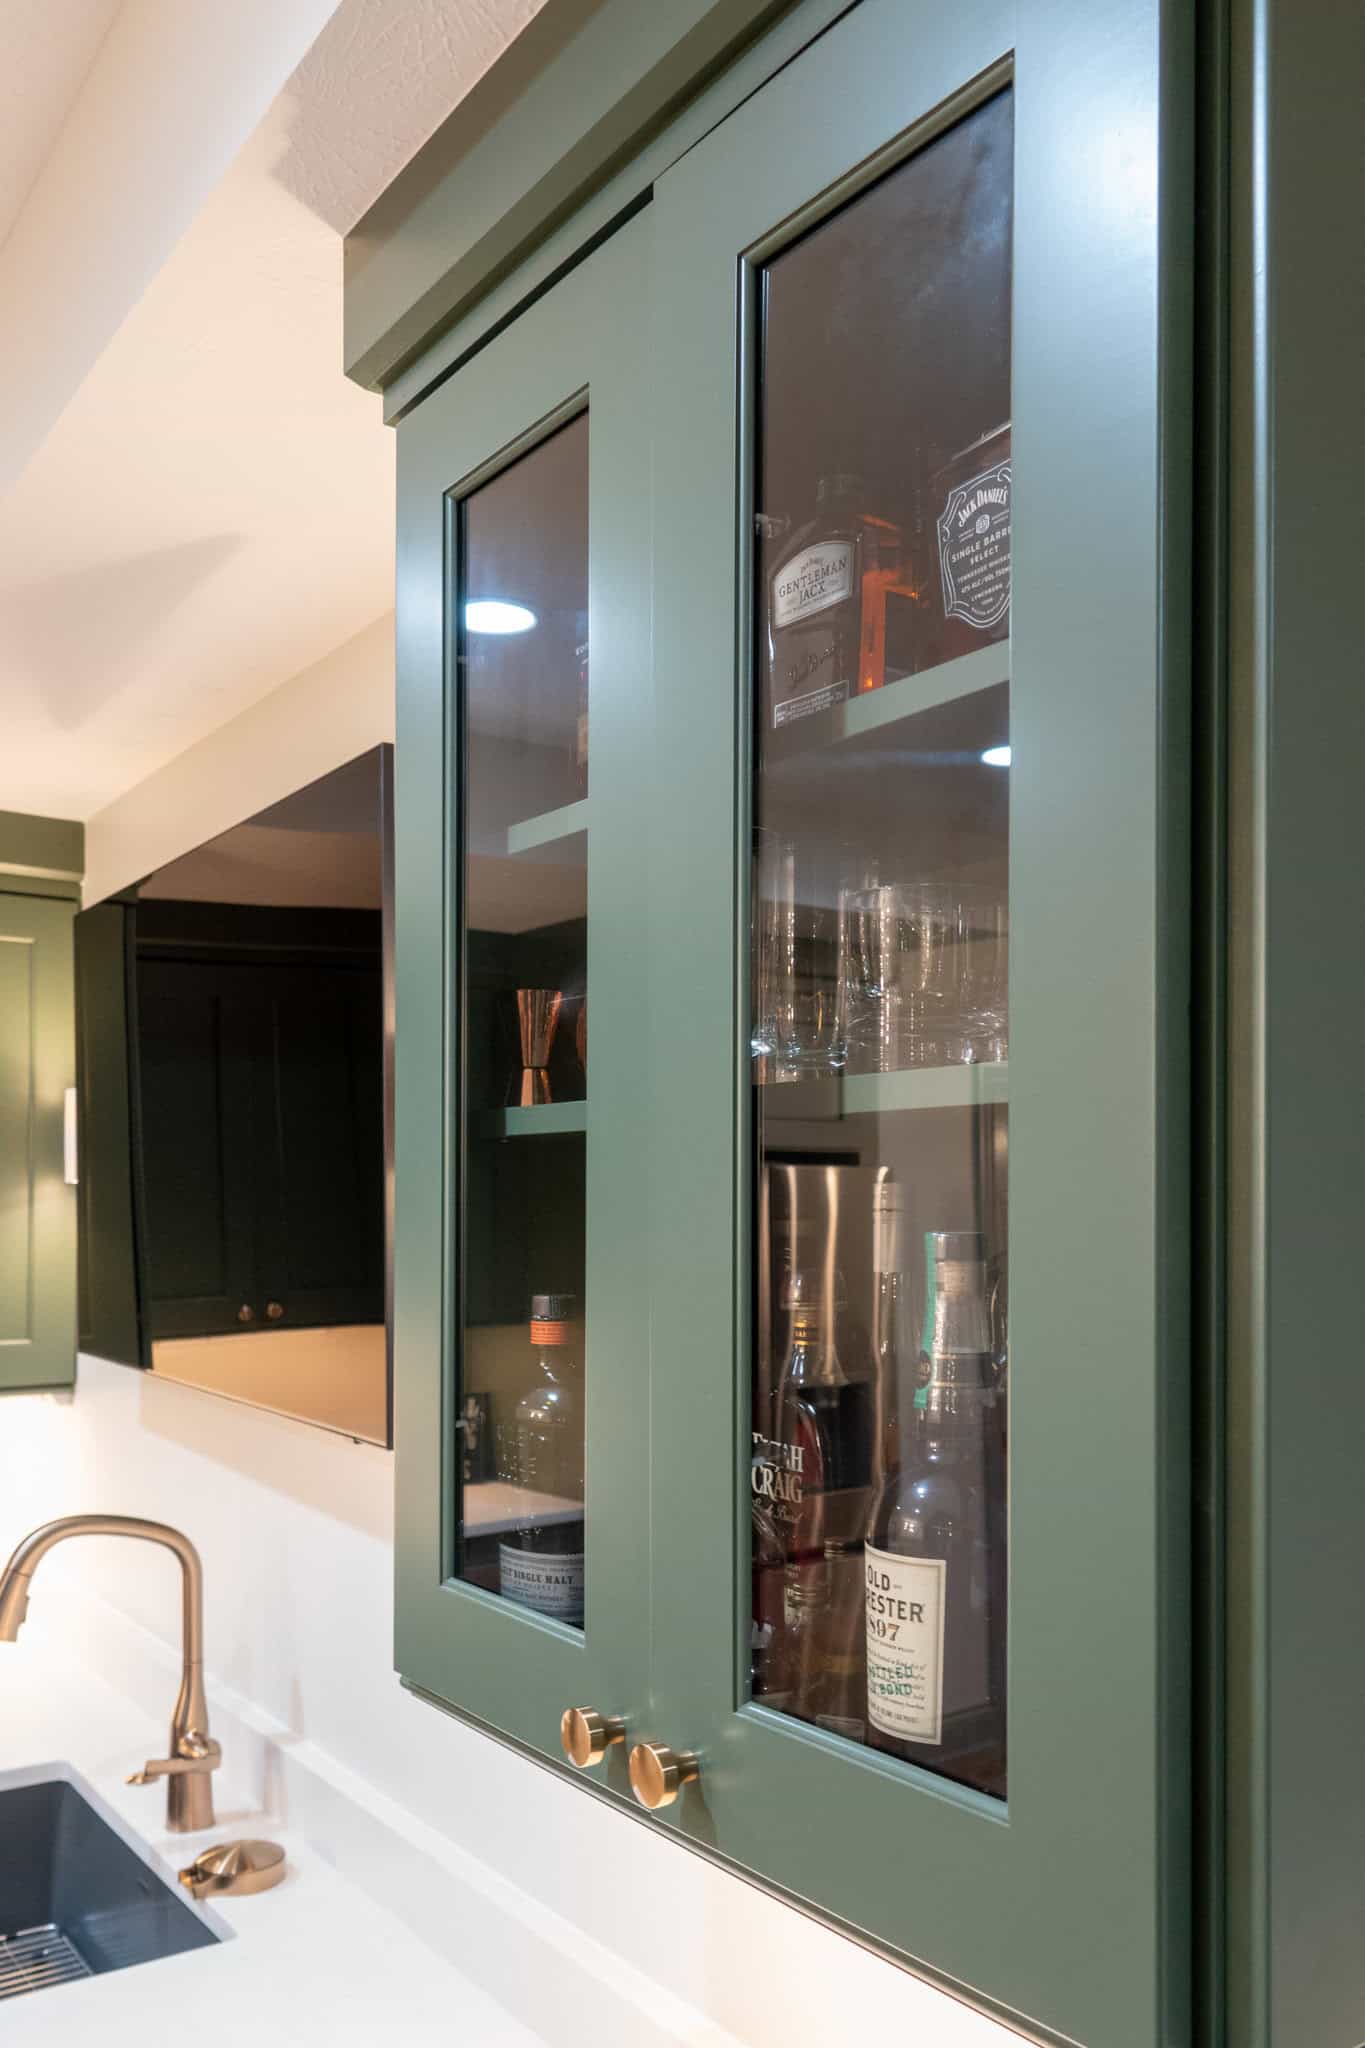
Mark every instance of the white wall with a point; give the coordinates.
(328, 714)
(295, 1527)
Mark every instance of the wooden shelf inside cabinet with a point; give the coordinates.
(971, 673)
(565, 823)
(545, 1120)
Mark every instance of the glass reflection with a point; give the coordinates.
(523, 661)
(879, 1020)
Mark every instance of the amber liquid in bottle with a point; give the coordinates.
(826, 609)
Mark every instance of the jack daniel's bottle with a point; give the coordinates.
(965, 603)
(934, 1561)
(826, 610)
(541, 1562)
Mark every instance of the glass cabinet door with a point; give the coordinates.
(524, 642)
(913, 1470)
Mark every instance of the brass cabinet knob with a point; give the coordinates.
(274, 1311)
(658, 1773)
(586, 1735)
(246, 1313)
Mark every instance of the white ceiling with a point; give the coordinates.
(204, 507)
(48, 51)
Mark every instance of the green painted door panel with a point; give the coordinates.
(37, 1207)
(501, 1664)
(1067, 1903)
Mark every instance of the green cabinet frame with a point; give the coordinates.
(37, 1206)
(506, 1668)
(1069, 1907)
(1099, 1061)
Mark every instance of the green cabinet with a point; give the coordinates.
(260, 1085)
(37, 1202)
(521, 1265)
(793, 672)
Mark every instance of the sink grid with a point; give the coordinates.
(36, 1957)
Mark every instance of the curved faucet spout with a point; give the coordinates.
(189, 1792)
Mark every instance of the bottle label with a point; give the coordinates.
(974, 548)
(777, 1477)
(549, 1582)
(812, 581)
(905, 1610)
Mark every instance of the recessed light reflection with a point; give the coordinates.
(491, 615)
(996, 757)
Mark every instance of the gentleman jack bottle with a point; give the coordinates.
(826, 609)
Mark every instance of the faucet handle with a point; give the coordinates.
(199, 1754)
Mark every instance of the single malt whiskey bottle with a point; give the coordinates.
(826, 610)
(934, 1561)
(541, 1561)
(966, 604)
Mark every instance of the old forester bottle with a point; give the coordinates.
(934, 1561)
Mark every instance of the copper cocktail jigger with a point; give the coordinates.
(537, 1021)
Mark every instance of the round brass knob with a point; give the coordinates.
(274, 1311)
(658, 1773)
(246, 1313)
(586, 1736)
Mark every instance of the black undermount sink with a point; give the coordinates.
(75, 1898)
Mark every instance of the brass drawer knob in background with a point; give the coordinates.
(275, 1311)
(658, 1773)
(586, 1735)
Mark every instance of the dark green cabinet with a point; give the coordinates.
(898, 886)
(37, 1201)
(841, 308)
(232, 1062)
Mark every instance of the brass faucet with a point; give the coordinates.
(193, 1756)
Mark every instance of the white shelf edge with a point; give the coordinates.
(957, 1087)
(971, 673)
(544, 830)
(545, 1120)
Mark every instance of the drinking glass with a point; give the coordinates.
(983, 976)
(797, 1024)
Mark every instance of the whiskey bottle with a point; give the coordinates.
(541, 1560)
(893, 1321)
(966, 605)
(934, 1561)
(824, 1417)
(826, 610)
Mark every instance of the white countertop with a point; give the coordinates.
(312, 1961)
